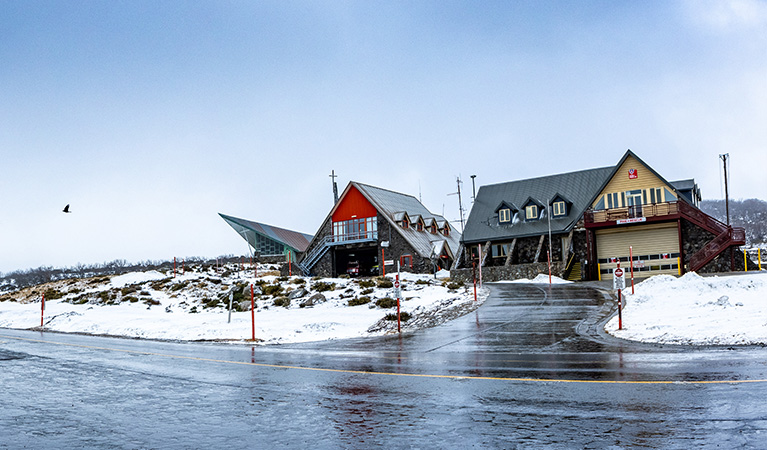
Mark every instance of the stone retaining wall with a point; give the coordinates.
(514, 272)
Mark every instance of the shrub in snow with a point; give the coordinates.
(386, 302)
(52, 294)
(131, 288)
(211, 303)
(366, 283)
(322, 286)
(282, 301)
(385, 283)
(359, 301)
(272, 289)
(454, 285)
(298, 281)
(403, 316)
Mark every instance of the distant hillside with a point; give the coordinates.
(750, 214)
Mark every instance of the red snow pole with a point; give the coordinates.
(620, 302)
(631, 258)
(620, 315)
(474, 278)
(396, 286)
(42, 311)
(548, 257)
(383, 263)
(290, 263)
(252, 314)
(174, 267)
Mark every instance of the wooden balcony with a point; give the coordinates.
(640, 213)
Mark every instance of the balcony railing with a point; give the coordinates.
(350, 238)
(631, 212)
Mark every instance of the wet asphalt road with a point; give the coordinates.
(529, 369)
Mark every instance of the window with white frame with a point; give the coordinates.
(504, 215)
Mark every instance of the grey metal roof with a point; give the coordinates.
(684, 184)
(293, 239)
(580, 188)
(390, 203)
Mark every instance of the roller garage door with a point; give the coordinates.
(655, 249)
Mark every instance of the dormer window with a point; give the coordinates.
(506, 211)
(446, 230)
(531, 212)
(433, 228)
(419, 226)
(560, 208)
(405, 223)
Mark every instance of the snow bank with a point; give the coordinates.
(136, 277)
(728, 310)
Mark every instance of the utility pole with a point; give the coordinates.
(724, 158)
(333, 177)
(726, 192)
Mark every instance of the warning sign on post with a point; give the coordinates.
(619, 281)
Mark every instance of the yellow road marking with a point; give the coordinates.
(362, 372)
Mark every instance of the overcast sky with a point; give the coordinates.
(149, 118)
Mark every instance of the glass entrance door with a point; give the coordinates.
(634, 203)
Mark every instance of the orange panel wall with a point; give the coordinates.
(353, 204)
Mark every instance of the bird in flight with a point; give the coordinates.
(66, 209)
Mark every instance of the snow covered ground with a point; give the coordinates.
(156, 305)
(724, 310)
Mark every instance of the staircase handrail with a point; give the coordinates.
(569, 266)
(320, 248)
(710, 250)
(702, 219)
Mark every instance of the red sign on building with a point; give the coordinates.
(633, 174)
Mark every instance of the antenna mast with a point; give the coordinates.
(460, 203)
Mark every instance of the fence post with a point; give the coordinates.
(745, 260)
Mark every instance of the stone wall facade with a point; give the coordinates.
(695, 238)
(513, 272)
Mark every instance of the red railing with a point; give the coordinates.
(701, 219)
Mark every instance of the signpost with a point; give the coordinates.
(619, 283)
